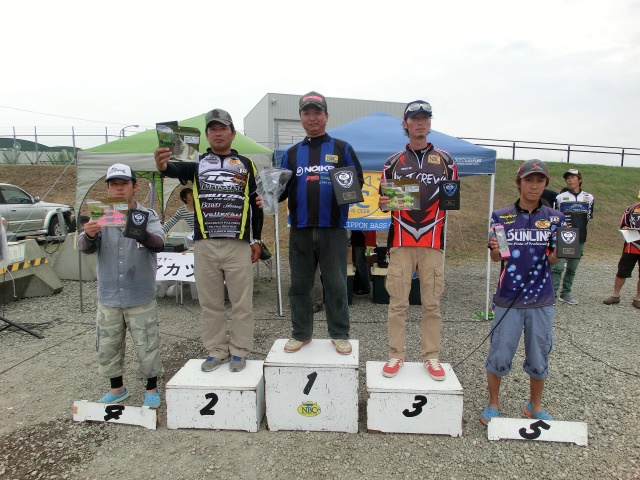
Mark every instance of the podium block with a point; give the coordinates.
(219, 400)
(412, 402)
(314, 389)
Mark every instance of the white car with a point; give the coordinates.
(27, 215)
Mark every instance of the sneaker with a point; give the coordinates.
(152, 399)
(392, 366)
(294, 345)
(435, 369)
(568, 299)
(211, 363)
(636, 303)
(541, 415)
(343, 347)
(237, 364)
(612, 300)
(115, 398)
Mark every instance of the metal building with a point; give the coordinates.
(275, 122)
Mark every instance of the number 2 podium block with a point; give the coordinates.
(412, 402)
(313, 389)
(219, 400)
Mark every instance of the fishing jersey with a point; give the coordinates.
(310, 194)
(424, 227)
(224, 193)
(631, 219)
(525, 276)
(577, 215)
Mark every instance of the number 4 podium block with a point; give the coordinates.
(412, 402)
(219, 400)
(313, 389)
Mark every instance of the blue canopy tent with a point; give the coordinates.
(377, 136)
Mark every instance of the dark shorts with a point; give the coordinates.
(626, 264)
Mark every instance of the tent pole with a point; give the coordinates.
(491, 193)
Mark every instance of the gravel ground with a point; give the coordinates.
(594, 378)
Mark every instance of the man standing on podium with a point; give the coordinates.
(416, 241)
(318, 236)
(224, 187)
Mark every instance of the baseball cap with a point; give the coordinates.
(533, 166)
(571, 171)
(218, 115)
(120, 171)
(415, 107)
(313, 98)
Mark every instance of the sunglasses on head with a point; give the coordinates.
(414, 107)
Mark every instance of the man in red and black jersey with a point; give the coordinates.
(416, 240)
(630, 256)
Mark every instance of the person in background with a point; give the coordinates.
(361, 280)
(575, 219)
(224, 185)
(524, 298)
(416, 241)
(185, 212)
(318, 236)
(126, 292)
(630, 256)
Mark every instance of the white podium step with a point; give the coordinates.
(412, 402)
(220, 400)
(314, 389)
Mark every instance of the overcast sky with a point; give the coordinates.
(553, 70)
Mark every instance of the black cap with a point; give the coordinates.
(313, 98)
(415, 107)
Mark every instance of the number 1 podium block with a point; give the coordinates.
(219, 400)
(313, 389)
(412, 402)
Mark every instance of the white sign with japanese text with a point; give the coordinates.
(175, 266)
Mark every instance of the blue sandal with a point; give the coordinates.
(541, 415)
(487, 414)
(113, 398)
(152, 400)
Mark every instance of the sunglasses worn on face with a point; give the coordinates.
(414, 107)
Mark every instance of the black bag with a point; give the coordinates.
(265, 254)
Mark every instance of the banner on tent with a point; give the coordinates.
(366, 215)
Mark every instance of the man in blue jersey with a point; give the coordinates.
(525, 296)
(318, 236)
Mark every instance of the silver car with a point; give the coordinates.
(27, 215)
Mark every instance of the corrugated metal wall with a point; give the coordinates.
(277, 115)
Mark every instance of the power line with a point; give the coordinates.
(61, 116)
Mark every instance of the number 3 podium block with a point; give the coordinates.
(412, 402)
(219, 400)
(313, 389)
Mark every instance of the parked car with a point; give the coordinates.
(27, 215)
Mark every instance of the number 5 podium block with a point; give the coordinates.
(219, 400)
(412, 402)
(313, 389)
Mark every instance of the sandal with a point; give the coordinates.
(487, 414)
(152, 400)
(541, 415)
(114, 398)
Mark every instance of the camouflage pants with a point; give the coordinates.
(111, 326)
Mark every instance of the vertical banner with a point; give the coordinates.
(366, 215)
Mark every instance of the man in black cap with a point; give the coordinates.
(224, 192)
(318, 236)
(577, 206)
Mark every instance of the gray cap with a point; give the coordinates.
(533, 166)
(218, 115)
(313, 98)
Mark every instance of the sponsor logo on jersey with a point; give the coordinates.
(234, 161)
(530, 236)
(331, 158)
(313, 178)
(508, 218)
(315, 169)
(309, 409)
(554, 219)
(543, 223)
(435, 159)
